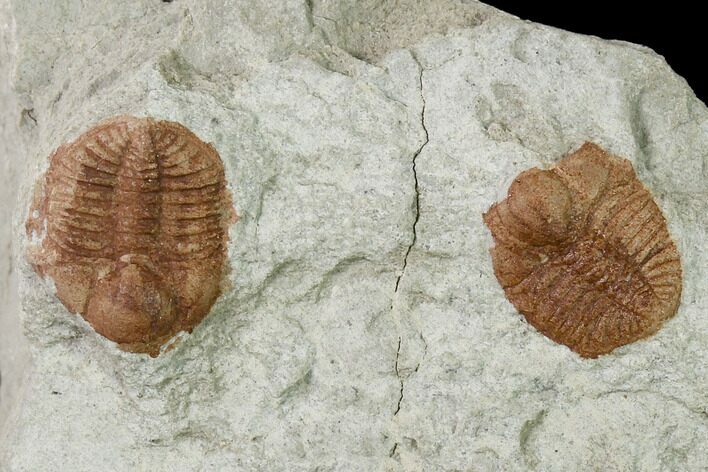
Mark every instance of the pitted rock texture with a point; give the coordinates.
(133, 218)
(363, 327)
(583, 252)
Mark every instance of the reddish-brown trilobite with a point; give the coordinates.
(583, 252)
(134, 219)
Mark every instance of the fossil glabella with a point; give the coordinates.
(133, 218)
(583, 252)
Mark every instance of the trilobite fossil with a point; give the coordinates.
(583, 252)
(134, 217)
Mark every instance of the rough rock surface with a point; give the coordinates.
(365, 330)
(14, 352)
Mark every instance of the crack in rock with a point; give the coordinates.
(410, 247)
(400, 379)
(415, 178)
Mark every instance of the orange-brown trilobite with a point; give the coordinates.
(134, 217)
(583, 252)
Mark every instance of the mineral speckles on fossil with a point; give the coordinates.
(583, 252)
(134, 217)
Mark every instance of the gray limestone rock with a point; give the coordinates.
(364, 329)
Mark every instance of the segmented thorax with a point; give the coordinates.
(134, 217)
(583, 252)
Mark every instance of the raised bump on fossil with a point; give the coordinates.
(134, 219)
(583, 252)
